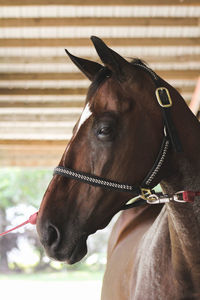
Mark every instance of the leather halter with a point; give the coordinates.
(170, 136)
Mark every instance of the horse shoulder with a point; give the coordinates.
(122, 249)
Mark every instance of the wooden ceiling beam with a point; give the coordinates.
(44, 91)
(42, 76)
(178, 74)
(97, 3)
(38, 103)
(184, 89)
(41, 131)
(29, 161)
(37, 144)
(39, 117)
(31, 154)
(99, 21)
(76, 42)
(62, 91)
(64, 59)
(175, 74)
(42, 104)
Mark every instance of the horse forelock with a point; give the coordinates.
(99, 79)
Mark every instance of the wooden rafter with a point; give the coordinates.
(63, 91)
(45, 91)
(168, 74)
(69, 42)
(64, 59)
(99, 21)
(39, 103)
(31, 154)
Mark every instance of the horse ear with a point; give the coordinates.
(89, 68)
(116, 63)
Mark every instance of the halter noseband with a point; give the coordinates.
(144, 191)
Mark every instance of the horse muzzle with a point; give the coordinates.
(70, 248)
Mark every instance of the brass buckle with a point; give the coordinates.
(145, 193)
(160, 100)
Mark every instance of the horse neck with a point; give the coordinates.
(184, 219)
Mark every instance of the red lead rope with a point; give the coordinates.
(32, 220)
(185, 196)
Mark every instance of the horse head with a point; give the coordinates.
(117, 137)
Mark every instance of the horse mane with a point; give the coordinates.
(138, 61)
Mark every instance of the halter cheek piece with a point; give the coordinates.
(144, 191)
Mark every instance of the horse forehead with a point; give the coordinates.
(106, 95)
(110, 88)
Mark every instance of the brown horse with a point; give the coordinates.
(128, 134)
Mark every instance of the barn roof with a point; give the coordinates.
(41, 91)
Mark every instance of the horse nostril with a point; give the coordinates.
(53, 236)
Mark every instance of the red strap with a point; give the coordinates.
(32, 220)
(189, 196)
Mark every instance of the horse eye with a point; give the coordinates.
(105, 132)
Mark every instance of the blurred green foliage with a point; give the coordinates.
(23, 186)
(27, 186)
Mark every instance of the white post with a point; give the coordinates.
(195, 102)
